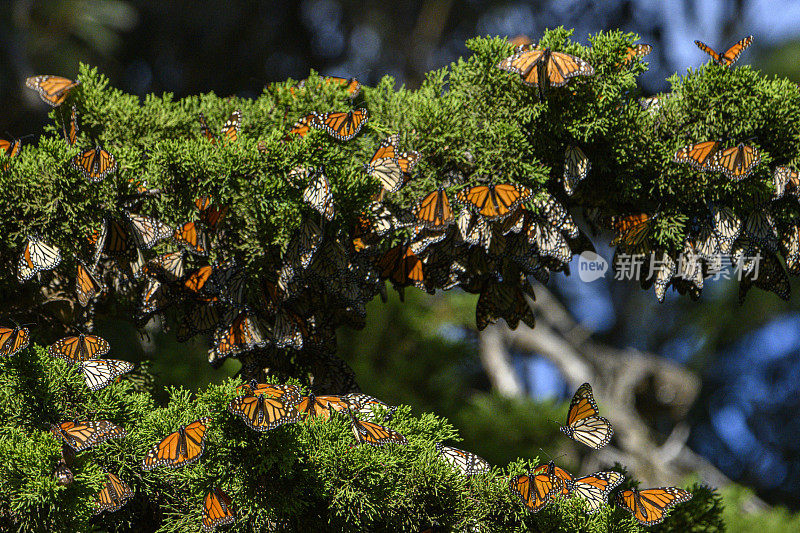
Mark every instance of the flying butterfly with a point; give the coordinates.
(87, 285)
(737, 163)
(180, 448)
(731, 54)
(95, 164)
(584, 425)
(545, 68)
(433, 211)
(535, 490)
(52, 89)
(262, 411)
(649, 506)
(83, 435)
(319, 196)
(100, 373)
(465, 462)
(342, 126)
(12, 340)
(217, 510)
(80, 348)
(494, 202)
(114, 495)
(36, 257)
(576, 168)
(374, 434)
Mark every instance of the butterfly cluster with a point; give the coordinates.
(584, 424)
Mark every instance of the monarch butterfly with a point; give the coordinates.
(304, 244)
(319, 196)
(593, 488)
(169, 267)
(342, 126)
(785, 179)
(731, 54)
(576, 168)
(82, 435)
(80, 348)
(502, 300)
(556, 214)
(543, 68)
(636, 52)
(474, 229)
(401, 265)
(302, 126)
(768, 275)
(535, 490)
(363, 404)
(36, 257)
(665, 269)
(114, 239)
(699, 155)
(114, 496)
(211, 214)
(652, 103)
(465, 462)
(424, 237)
(649, 506)
(87, 286)
(351, 84)
(217, 510)
(201, 317)
(155, 298)
(790, 246)
(11, 149)
(52, 89)
(100, 373)
(631, 230)
(95, 164)
(193, 235)
(433, 211)
(736, 163)
(289, 393)
(12, 340)
(72, 135)
(206, 131)
(494, 202)
(584, 425)
(313, 406)
(230, 130)
(727, 227)
(147, 231)
(374, 434)
(549, 242)
(289, 330)
(262, 412)
(390, 166)
(180, 448)
(241, 335)
(760, 228)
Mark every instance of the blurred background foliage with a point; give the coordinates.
(425, 352)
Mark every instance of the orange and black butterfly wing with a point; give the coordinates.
(699, 155)
(262, 413)
(649, 506)
(561, 67)
(535, 490)
(732, 54)
(374, 434)
(584, 424)
(736, 163)
(563, 479)
(52, 89)
(82, 435)
(95, 164)
(80, 348)
(193, 235)
(87, 286)
(525, 63)
(206, 131)
(595, 488)
(231, 128)
(180, 448)
(217, 510)
(707, 49)
(13, 340)
(114, 495)
(433, 211)
(342, 126)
